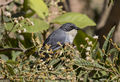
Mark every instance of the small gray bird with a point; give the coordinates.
(65, 34)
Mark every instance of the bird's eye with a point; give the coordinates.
(72, 27)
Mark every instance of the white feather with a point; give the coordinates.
(71, 35)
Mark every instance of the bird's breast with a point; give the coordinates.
(71, 35)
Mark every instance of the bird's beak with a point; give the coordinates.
(77, 28)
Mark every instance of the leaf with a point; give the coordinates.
(39, 7)
(15, 55)
(30, 51)
(109, 36)
(54, 61)
(10, 69)
(80, 39)
(113, 50)
(84, 63)
(21, 46)
(101, 54)
(39, 25)
(78, 19)
(86, 77)
(9, 26)
(11, 62)
(4, 57)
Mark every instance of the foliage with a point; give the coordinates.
(39, 7)
(83, 40)
(32, 25)
(21, 38)
(78, 19)
(66, 65)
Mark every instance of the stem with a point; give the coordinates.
(10, 49)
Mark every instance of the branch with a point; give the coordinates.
(10, 49)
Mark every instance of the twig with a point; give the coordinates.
(10, 49)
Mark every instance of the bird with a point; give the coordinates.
(65, 34)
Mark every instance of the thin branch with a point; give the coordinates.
(10, 49)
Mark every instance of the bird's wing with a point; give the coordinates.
(54, 38)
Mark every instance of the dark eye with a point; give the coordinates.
(72, 27)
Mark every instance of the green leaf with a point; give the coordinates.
(39, 25)
(30, 51)
(10, 69)
(4, 57)
(78, 19)
(106, 43)
(11, 62)
(39, 7)
(80, 39)
(84, 63)
(101, 54)
(15, 55)
(10, 26)
(54, 61)
(113, 50)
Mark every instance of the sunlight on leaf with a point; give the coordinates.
(39, 7)
(78, 19)
(39, 25)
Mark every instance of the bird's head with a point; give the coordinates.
(69, 27)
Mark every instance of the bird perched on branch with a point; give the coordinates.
(65, 34)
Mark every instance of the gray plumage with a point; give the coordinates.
(65, 34)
